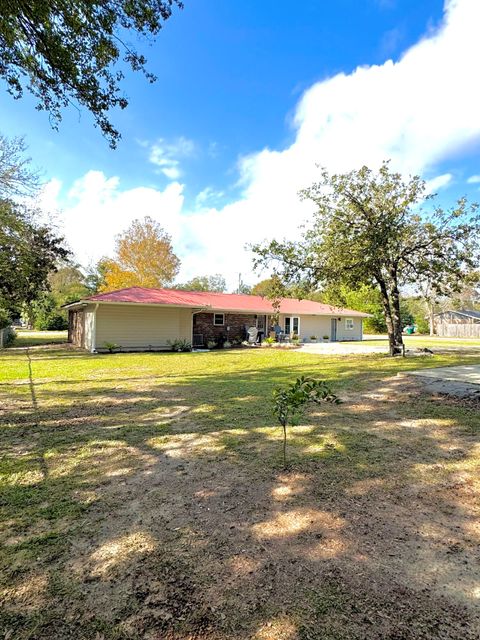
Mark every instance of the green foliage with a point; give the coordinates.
(5, 318)
(179, 344)
(111, 346)
(16, 176)
(369, 229)
(95, 279)
(269, 341)
(211, 344)
(289, 402)
(215, 283)
(68, 284)
(29, 252)
(68, 53)
(364, 298)
(46, 316)
(9, 336)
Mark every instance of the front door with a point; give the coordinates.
(333, 332)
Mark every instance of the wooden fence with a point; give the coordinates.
(458, 330)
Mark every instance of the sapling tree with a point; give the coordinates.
(289, 403)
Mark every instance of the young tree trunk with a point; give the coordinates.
(284, 446)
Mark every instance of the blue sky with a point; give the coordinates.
(250, 95)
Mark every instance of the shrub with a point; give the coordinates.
(52, 322)
(326, 337)
(5, 319)
(111, 346)
(9, 336)
(313, 338)
(227, 345)
(211, 344)
(269, 341)
(179, 344)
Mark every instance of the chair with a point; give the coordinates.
(252, 335)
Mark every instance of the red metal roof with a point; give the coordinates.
(219, 301)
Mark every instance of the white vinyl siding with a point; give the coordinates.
(141, 327)
(344, 333)
(321, 326)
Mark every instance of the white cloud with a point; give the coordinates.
(167, 156)
(473, 180)
(208, 196)
(417, 111)
(440, 182)
(96, 209)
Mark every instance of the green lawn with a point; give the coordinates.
(432, 342)
(27, 338)
(143, 496)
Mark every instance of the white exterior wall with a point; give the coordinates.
(349, 334)
(141, 326)
(322, 326)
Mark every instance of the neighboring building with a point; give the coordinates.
(146, 319)
(458, 324)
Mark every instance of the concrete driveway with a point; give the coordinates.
(462, 381)
(342, 348)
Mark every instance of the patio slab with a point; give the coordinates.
(461, 382)
(469, 373)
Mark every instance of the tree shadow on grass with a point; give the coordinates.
(165, 513)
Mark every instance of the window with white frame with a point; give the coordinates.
(218, 319)
(349, 324)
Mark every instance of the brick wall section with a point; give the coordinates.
(76, 327)
(235, 322)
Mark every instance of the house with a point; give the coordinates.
(458, 324)
(146, 319)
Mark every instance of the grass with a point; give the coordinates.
(143, 496)
(28, 338)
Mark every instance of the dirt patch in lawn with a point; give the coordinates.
(187, 532)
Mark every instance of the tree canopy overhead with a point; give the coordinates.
(371, 228)
(67, 52)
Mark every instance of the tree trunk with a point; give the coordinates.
(396, 316)
(431, 316)
(387, 310)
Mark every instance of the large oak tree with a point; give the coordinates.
(377, 229)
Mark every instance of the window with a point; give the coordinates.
(349, 324)
(218, 319)
(292, 325)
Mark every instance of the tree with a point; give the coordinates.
(205, 283)
(67, 52)
(144, 258)
(96, 274)
(28, 253)
(362, 298)
(16, 176)
(67, 284)
(370, 229)
(289, 403)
